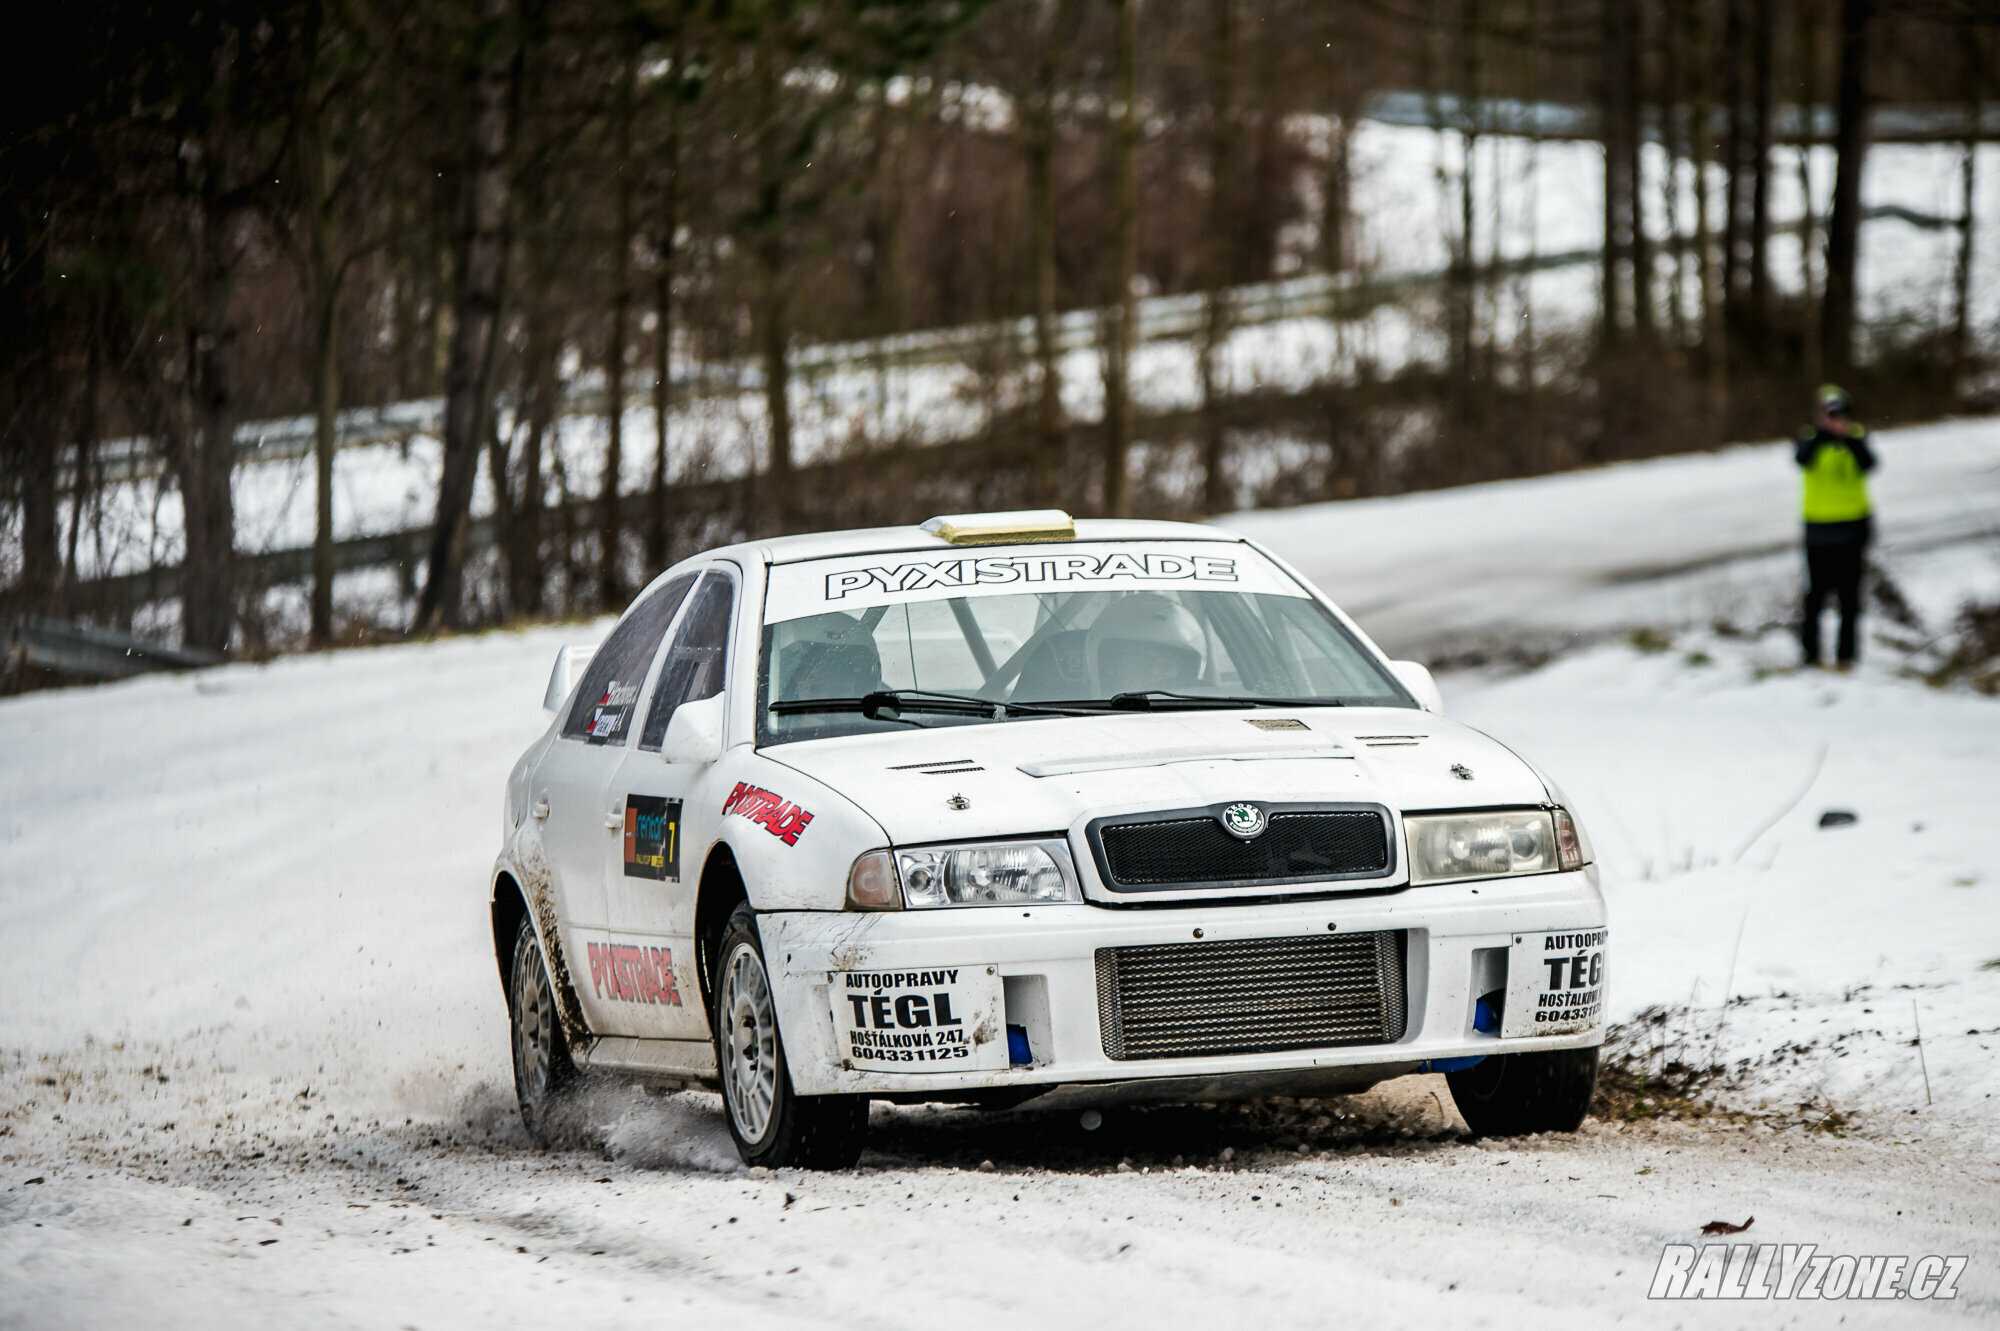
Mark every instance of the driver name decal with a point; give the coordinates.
(777, 815)
(607, 719)
(633, 974)
(988, 570)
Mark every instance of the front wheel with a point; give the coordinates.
(545, 1076)
(772, 1124)
(1512, 1095)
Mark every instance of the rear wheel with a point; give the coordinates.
(1512, 1095)
(545, 1075)
(772, 1124)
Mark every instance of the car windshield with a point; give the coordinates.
(888, 642)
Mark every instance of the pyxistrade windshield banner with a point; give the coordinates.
(861, 582)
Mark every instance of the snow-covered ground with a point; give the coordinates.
(252, 1049)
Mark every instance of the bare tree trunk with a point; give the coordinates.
(1735, 148)
(1223, 144)
(1535, 451)
(659, 520)
(1124, 312)
(1843, 231)
(85, 482)
(1764, 19)
(1460, 297)
(1632, 86)
(1961, 327)
(1619, 193)
(1808, 43)
(1714, 336)
(524, 546)
(500, 470)
(1336, 226)
(1041, 129)
(1673, 140)
(34, 428)
(476, 316)
(768, 246)
(208, 569)
(611, 527)
(325, 284)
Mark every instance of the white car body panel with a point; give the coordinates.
(1016, 778)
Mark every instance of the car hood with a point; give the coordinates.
(1014, 777)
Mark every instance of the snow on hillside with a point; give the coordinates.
(251, 987)
(1547, 201)
(1677, 541)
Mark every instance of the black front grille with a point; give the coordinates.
(1193, 850)
(1262, 995)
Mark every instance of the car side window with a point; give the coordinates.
(696, 660)
(609, 694)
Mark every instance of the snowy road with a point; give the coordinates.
(249, 982)
(438, 1226)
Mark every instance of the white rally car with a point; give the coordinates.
(1009, 806)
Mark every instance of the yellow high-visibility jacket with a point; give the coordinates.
(1834, 475)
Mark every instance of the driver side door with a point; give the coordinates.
(646, 963)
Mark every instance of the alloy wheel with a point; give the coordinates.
(750, 1044)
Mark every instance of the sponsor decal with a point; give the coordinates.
(613, 710)
(1030, 571)
(1555, 983)
(1246, 822)
(904, 1017)
(652, 838)
(633, 974)
(778, 816)
(860, 582)
(1799, 1271)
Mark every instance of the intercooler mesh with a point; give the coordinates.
(1196, 850)
(1193, 1000)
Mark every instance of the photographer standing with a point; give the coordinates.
(1834, 461)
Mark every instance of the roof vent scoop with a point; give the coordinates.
(1028, 524)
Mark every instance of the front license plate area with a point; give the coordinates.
(1555, 983)
(946, 1019)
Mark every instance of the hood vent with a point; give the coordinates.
(1390, 741)
(949, 767)
(1276, 723)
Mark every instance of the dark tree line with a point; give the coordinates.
(227, 210)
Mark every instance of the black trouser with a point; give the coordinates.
(1833, 568)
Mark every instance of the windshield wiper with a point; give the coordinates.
(889, 704)
(1150, 700)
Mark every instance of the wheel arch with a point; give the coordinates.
(512, 902)
(509, 907)
(722, 890)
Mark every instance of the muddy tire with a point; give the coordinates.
(1512, 1095)
(772, 1125)
(545, 1076)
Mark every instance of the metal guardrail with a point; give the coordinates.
(1160, 318)
(87, 653)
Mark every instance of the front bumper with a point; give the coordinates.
(1045, 956)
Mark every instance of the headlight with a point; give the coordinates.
(1447, 847)
(1000, 873)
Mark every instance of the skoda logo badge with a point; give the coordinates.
(1244, 821)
